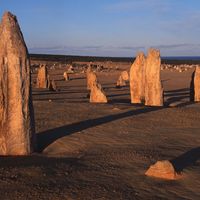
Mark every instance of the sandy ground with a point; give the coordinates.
(101, 151)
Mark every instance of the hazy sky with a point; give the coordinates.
(108, 27)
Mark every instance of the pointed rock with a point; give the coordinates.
(137, 79)
(17, 133)
(153, 86)
(97, 94)
(42, 77)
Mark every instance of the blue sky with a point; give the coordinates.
(108, 27)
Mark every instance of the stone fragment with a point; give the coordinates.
(162, 169)
(137, 79)
(17, 132)
(153, 86)
(97, 94)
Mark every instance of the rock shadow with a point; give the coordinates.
(47, 137)
(187, 159)
(180, 97)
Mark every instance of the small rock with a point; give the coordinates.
(162, 169)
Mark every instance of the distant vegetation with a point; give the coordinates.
(69, 59)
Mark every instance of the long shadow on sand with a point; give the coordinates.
(45, 138)
(187, 159)
(181, 97)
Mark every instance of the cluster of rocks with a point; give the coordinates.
(178, 68)
(17, 126)
(43, 79)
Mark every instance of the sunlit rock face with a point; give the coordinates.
(162, 169)
(97, 94)
(16, 111)
(197, 85)
(153, 86)
(91, 79)
(124, 76)
(137, 79)
(42, 76)
(66, 76)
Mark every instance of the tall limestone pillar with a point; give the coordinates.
(42, 81)
(153, 86)
(16, 110)
(137, 79)
(197, 84)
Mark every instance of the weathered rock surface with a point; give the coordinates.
(197, 85)
(17, 134)
(162, 169)
(137, 79)
(122, 79)
(125, 75)
(42, 81)
(91, 79)
(97, 94)
(153, 86)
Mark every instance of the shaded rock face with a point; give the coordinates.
(42, 77)
(192, 87)
(162, 169)
(51, 84)
(137, 79)
(97, 94)
(153, 86)
(122, 79)
(16, 111)
(197, 85)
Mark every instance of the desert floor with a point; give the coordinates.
(101, 151)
